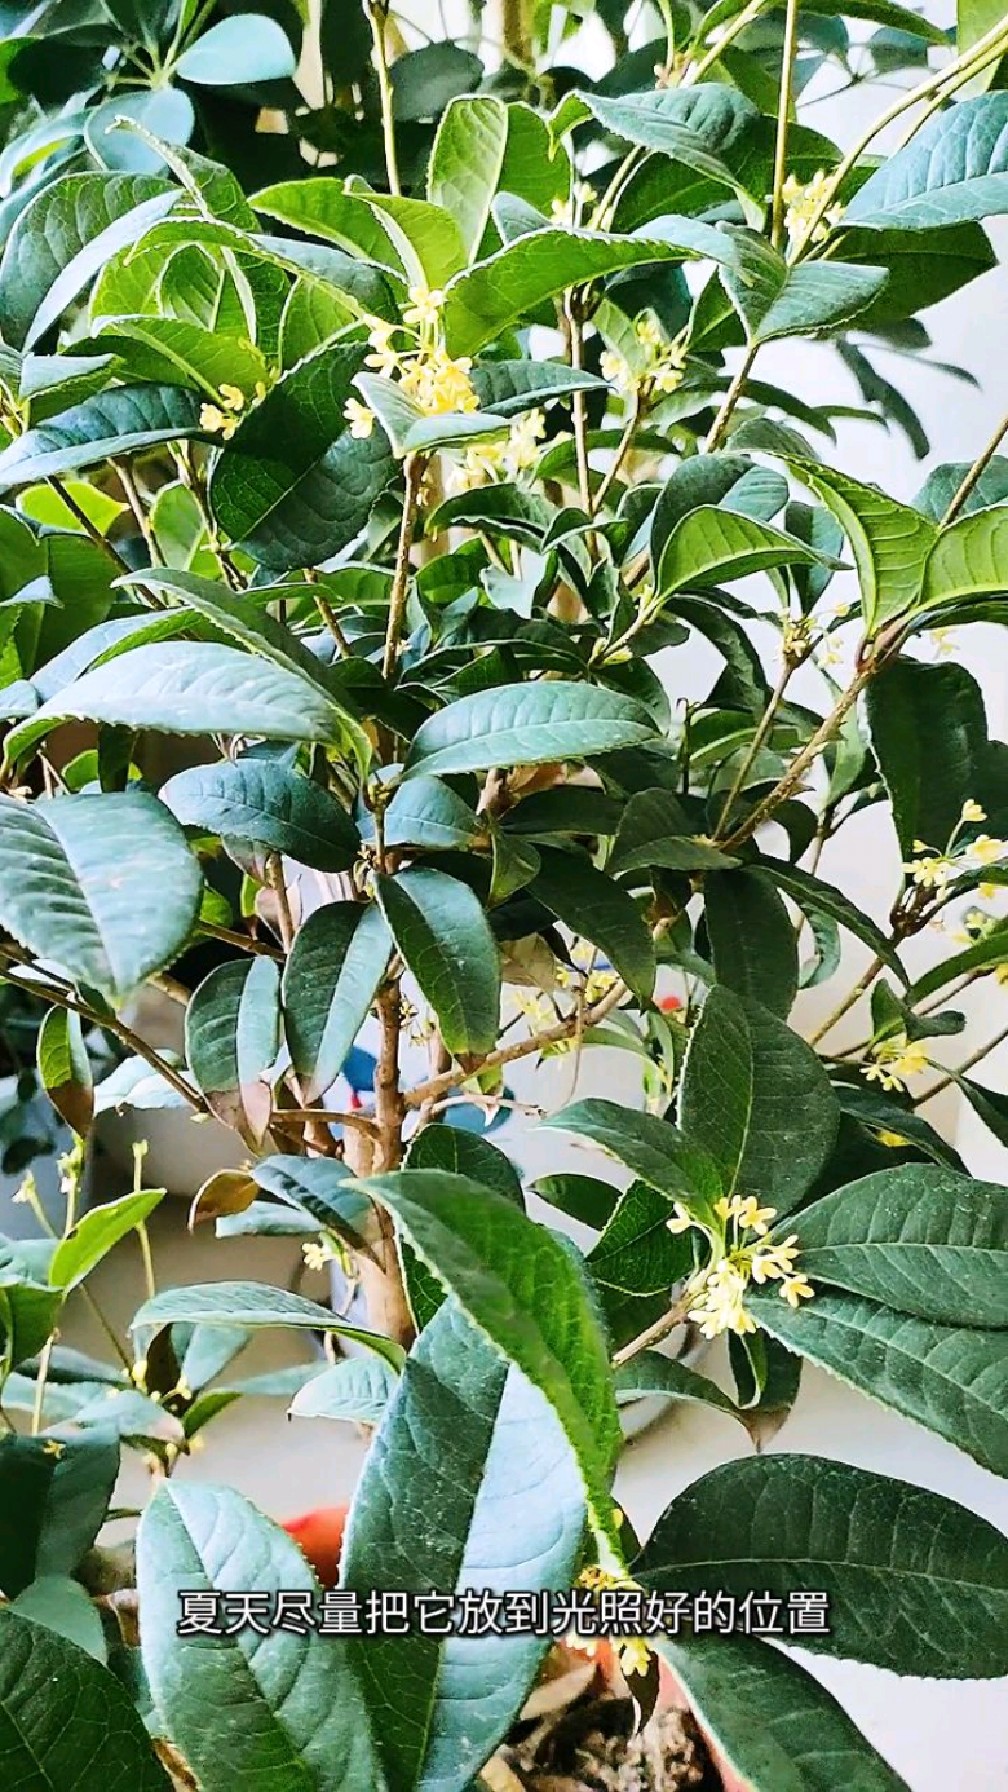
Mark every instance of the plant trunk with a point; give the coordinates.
(381, 1277)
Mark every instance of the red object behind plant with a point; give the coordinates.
(319, 1536)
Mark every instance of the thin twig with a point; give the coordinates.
(655, 1333)
(762, 731)
(413, 470)
(580, 415)
(981, 1052)
(622, 450)
(731, 399)
(76, 510)
(783, 119)
(307, 1116)
(376, 18)
(976, 472)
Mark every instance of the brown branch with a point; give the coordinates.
(414, 470)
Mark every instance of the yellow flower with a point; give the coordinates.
(522, 449)
(52, 1447)
(384, 357)
(649, 334)
(932, 870)
(893, 1139)
(987, 892)
(215, 420)
(986, 851)
(894, 1060)
(232, 398)
(317, 1253)
(802, 202)
(633, 1655)
(681, 1221)
(440, 385)
(562, 212)
(795, 1289)
(618, 372)
(360, 418)
(971, 811)
(750, 1215)
(424, 309)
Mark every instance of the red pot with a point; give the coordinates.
(319, 1536)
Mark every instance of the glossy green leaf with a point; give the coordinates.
(509, 387)
(529, 724)
(468, 1431)
(919, 1238)
(593, 906)
(267, 806)
(968, 560)
(711, 546)
(65, 1069)
(232, 1035)
(653, 1149)
(890, 541)
(303, 1719)
(525, 1290)
(955, 167)
(188, 687)
(756, 1097)
(804, 1741)
(253, 1305)
(61, 1605)
(915, 1583)
(121, 421)
(182, 353)
(952, 1379)
(752, 939)
(69, 892)
(442, 932)
(293, 486)
(775, 300)
(322, 1188)
(698, 126)
(165, 113)
(654, 833)
(61, 240)
(466, 163)
(66, 1723)
(54, 1502)
(429, 814)
(332, 975)
(238, 51)
(96, 1233)
(929, 735)
(651, 1373)
(636, 1252)
(815, 896)
(356, 1390)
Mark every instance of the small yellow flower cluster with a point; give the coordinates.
(318, 1252)
(802, 202)
(485, 462)
(660, 368)
(717, 1292)
(632, 1653)
(425, 371)
(931, 870)
(895, 1059)
(567, 212)
(223, 419)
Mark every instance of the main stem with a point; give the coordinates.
(377, 14)
(783, 119)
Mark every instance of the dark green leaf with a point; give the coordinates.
(442, 932)
(592, 905)
(955, 168)
(268, 806)
(752, 940)
(529, 724)
(232, 1033)
(337, 962)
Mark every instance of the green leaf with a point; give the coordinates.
(65, 1069)
(302, 1716)
(592, 905)
(28, 1307)
(182, 353)
(509, 387)
(357, 1390)
(636, 1252)
(61, 240)
(321, 206)
(698, 126)
(814, 896)
(54, 1503)
(253, 1305)
(238, 52)
(442, 932)
(332, 975)
(443, 1147)
(584, 1198)
(804, 1741)
(710, 546)
(942, 484)
(487, 299)
(321, 1188)
(752, 940)
(120, 422)
(890, 541)
(96, 1233)
(70, 892)
(232, 1035)
(929, 735)
(293, 486)
(61, 1605)
(774, 299)
(188, 687)
(267, 806)
(953, 1380)
(429, 814)
(425, 80)
(465, 1430)
(756, 1097)
(466, 163)
(918, 1238)
(652, 1373)
(165, 113)
(955, 168)
(653, 1149)
(915, 1583)
(654, 834)
(527, 1292)
(66, 1723)
(731, 480)
(990, 1104)
(967, 560)
(526, 724)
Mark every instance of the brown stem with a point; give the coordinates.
(732, 397)
(762, 731)
(332, 1117)
(437, 1086)
(807, 757)
(783, 119)
(90, 528)
(976, 472)
(860, 988)
(580, 415)
(619, 457)
(655, 1333)
(413, 470)
(135, 503)
(381, 1280)
(982, 1051)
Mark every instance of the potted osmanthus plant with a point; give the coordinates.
(397, 485)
